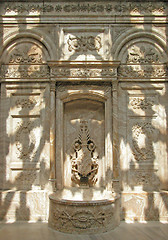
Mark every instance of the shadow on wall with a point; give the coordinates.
(25, 125)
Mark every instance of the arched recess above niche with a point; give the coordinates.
(37, 38)
(25, 56)
(25, 51)
(140, 43)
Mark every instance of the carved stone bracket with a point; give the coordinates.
(65, 70)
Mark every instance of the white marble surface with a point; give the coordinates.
(37, 231)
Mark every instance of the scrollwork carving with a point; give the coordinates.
(24, 71)
(25, 141)
(82, 219)
(84, 159)
(142, 55)
(84, 43)
(26, 56)
(145, 71)
(83, 72)
(147, 131)
(141, 102)
(26, 103)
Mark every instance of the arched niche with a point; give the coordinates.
(84, 160)
(141, 44)
(83, 115)
(25, 51)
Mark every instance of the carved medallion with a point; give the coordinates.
(84, 158)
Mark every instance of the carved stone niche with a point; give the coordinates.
(84, 201)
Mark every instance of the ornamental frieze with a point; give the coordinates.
(83, 72)
(24, 71)
(89, 8)
(143, 71)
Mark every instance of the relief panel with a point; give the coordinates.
(83, 43)
(84, 143)
(25, 131)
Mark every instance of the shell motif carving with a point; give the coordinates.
(84, 158)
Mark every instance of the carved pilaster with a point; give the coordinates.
(52, 130)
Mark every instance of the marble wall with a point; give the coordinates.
(117, 54)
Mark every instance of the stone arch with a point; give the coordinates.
(40, 40)
(153, 42)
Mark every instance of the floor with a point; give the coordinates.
(40, 231)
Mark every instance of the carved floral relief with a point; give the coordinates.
(142, 141)
(84, 158)
(27, 55)
(25, 140)
(143, 103)
(142, 54)
(82, 219)
(84, 43)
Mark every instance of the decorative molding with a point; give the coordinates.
(83, 72)
(143, 71)
(83, 219)
(89, 8)
(85, 69)
(138, 130)
(84, 158)
(142, 55)
(24, 71)
(25, 150)
(84, 43)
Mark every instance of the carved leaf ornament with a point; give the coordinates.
(81, 219)
(84, 43)
(84, 158)
(25, 140)
(147, 153)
